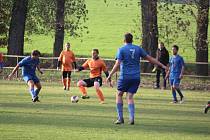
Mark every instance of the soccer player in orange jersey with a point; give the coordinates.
(67, 62)
(96, 66)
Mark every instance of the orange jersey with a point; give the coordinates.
(95, 66)
(66, 58)
(1, 57)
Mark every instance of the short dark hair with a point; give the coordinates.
(35, 53)
(176, 47)
(96, 50)
(68, 44)
(161, 43)
(128, 38)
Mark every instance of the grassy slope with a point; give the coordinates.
(107, 26)
(56, 118)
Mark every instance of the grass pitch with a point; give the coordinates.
(55, 117)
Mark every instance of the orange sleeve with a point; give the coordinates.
(61, 56)
(104, 68)
(85, 65)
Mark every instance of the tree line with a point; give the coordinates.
(20, 17)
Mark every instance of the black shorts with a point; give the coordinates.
(66, 74)
(90, 81)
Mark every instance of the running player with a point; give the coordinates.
(29, 65)
(96, 66)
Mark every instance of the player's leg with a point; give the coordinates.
(97, 84)
(121, 87)
(68, 79)
(164, 80)
(31, 89)
(30, 83)
(82, 87)
(173, 90)
(177, 88)
(119, 107)
(207, 107)
(157, 78)
(64, 79)
(133, 87)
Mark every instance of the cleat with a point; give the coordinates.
(36, 99)
(131, 122)
(101, 102)
(64, 88)
(118, 121)
(156, 87)
(181, 100)
(85, 97)
(174, 102)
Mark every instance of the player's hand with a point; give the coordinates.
(10, 76)
(108, 80)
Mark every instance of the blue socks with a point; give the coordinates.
(131, 109)
(174, 95)
(120, 111)
(37, 91)
(32, 92)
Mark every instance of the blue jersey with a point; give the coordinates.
(129, 55)
(28, 65)
(176, 63)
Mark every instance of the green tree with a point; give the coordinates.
(201, 37)
(149, 28)
(5, 11)
(17, 27)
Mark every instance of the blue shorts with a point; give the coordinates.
(34, 78)
(130, 85)
(175, 82)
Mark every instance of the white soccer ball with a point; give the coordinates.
(74, 99)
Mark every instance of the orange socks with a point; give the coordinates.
(68, 83)
(64, 82)
(100, 94)
(83, 90)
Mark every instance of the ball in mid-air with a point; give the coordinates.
(74, 99)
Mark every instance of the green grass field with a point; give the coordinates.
(55, 117)
(106, 25)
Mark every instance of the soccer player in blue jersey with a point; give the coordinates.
(175, 74)
(128, 59)
(29, 65)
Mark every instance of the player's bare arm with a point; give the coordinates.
(154, 61)
(13, 71)
(114, 69)
(182, 71)
(38, 68)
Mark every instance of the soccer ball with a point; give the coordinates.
(74, 99)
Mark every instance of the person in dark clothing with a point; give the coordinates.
(162, 56)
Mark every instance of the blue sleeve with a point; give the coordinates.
(143, 53)
(119, 55)
(23, 62)
(182, 62)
